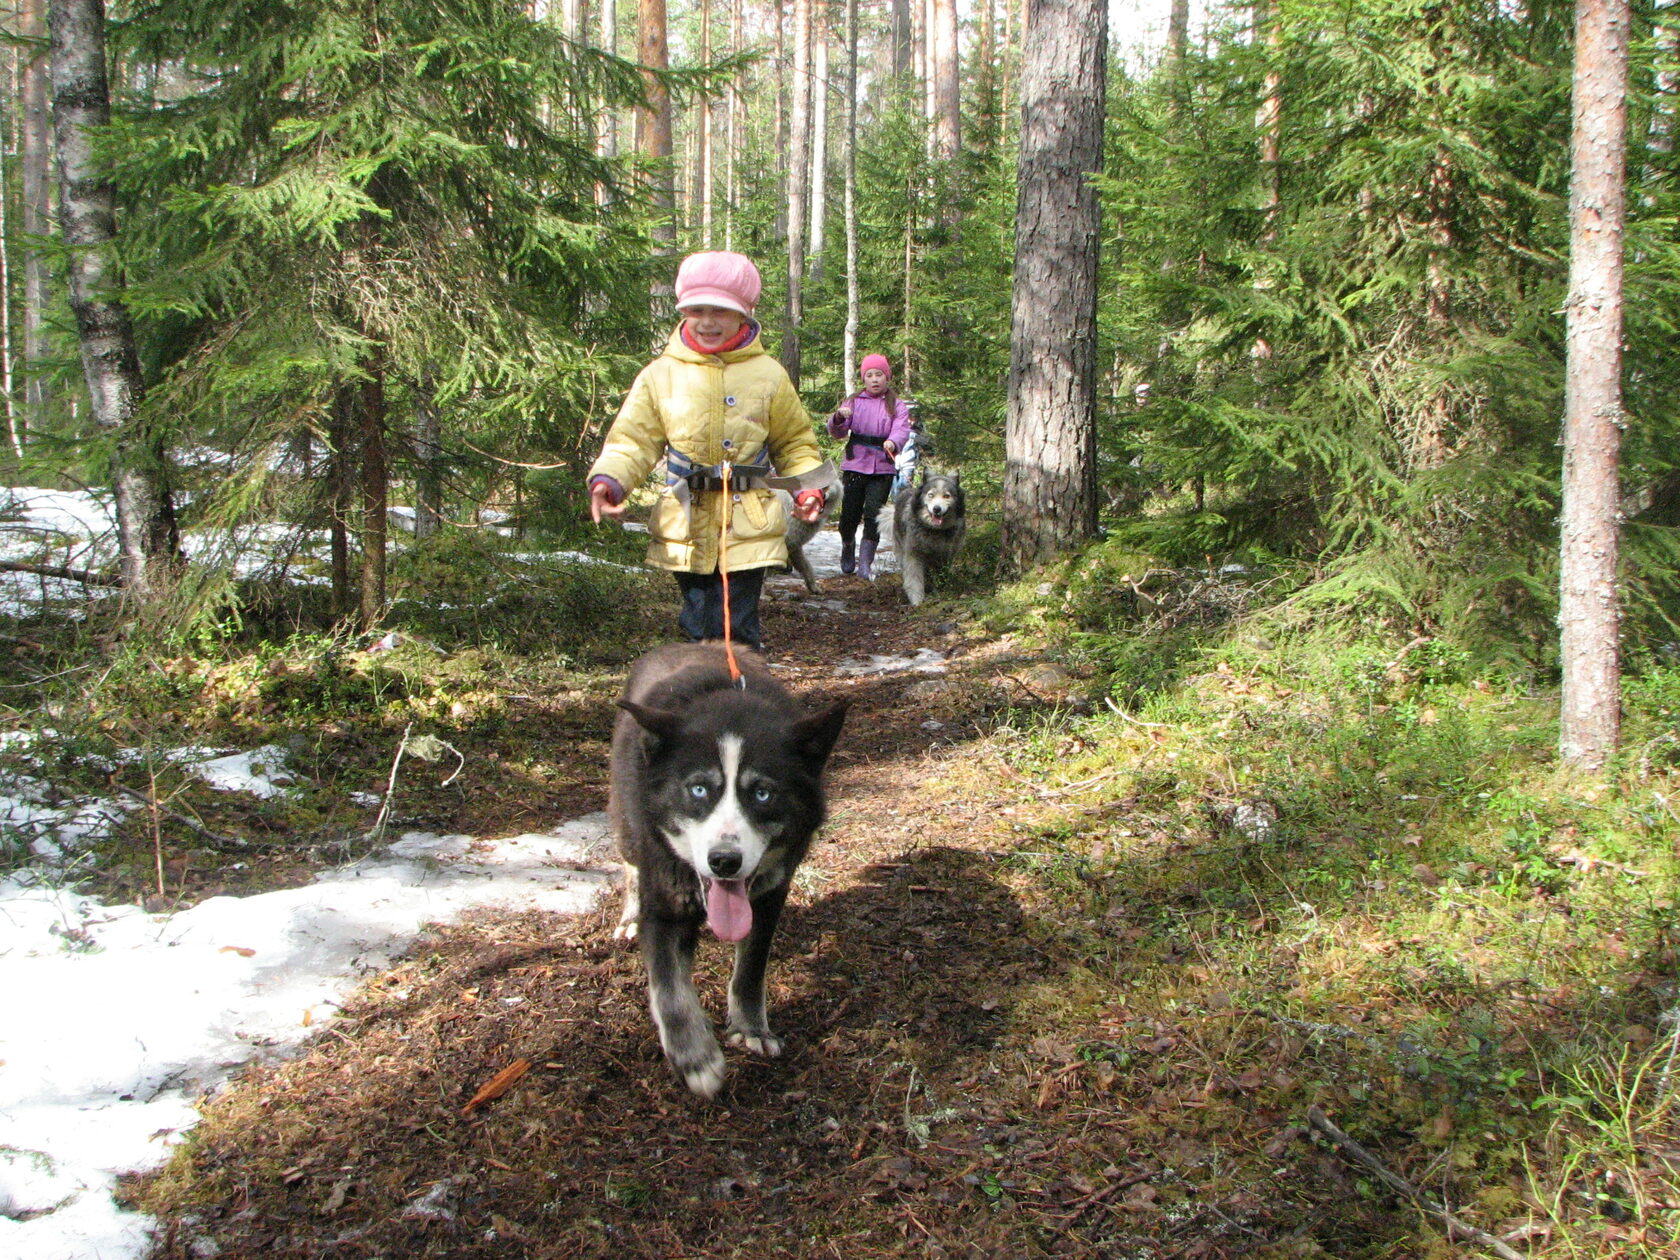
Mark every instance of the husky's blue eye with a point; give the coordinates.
(697, 791)
(762, 795)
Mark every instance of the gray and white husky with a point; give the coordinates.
(716, 794)
(927, 523)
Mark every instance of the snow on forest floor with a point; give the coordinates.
(121, 1018)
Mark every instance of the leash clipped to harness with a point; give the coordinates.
(735, 674)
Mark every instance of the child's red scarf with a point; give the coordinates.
(749, 330)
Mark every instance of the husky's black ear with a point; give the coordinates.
(814, 736)
(660, 723)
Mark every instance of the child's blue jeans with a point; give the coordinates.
(702, 606)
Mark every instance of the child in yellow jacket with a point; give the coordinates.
(714, 402)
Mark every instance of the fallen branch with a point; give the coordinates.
(1455, 1228)
(87, 577)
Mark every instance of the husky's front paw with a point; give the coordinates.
(626, 930)
(756, 1041)
(701, 1068)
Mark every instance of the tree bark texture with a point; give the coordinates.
(849, 211)
(798, 171)
(1588, 609)
(819, 151)
(1049, 486)
(947, 96)
(653, 127)
(146, 530)
(35, 151)
(903, 47)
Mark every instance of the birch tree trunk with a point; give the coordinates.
(14, 432)
(799, 162)
(147, 535)
(608, 122)
(375, 494)
(849, 162)
(35, 150)
(1588, 609)
(1049, 484)
(428, 460)
(819, 149)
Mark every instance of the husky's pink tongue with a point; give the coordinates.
(727, 908)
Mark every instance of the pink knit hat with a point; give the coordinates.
(718, 278)
(875, 361)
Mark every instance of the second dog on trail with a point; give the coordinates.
(927, 520)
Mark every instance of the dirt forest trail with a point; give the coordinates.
(929, 1102)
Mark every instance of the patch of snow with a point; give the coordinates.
(925, 661)
(121, 1018)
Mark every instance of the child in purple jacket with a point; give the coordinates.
(875, 424)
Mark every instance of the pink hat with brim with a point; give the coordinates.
(718, 278)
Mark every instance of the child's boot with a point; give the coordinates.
(866, 561)
(848, 564)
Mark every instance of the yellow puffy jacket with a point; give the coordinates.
(708, 407)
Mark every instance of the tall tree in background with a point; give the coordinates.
(35, 149)
(798, 173)
(1049, 483)
(947, 96)
(819, 141)
(1589, 610)
(848, 348)
(653, 132)
(147, 536)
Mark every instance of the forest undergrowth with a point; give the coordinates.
(1118, 928)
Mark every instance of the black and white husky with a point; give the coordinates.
(927, 523)
(716, 793)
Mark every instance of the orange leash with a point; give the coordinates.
(723, 572)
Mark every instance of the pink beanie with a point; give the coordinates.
(718, 278)
(875, 361)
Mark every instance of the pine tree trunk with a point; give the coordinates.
(799, 164)
(704, 105)
(653, 131)
(35, 148)
(930, 70)
(947, 95)
(146, 530)
(780, 130)
(849, 164)
(1049, 485)
(819, 151)
(732, 138)
(1588, 609)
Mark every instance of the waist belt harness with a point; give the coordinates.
(685, 478)
(864, 439)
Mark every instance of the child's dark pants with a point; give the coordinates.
(866, 494)
(702, 606)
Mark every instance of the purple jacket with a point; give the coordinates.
(871, 422)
